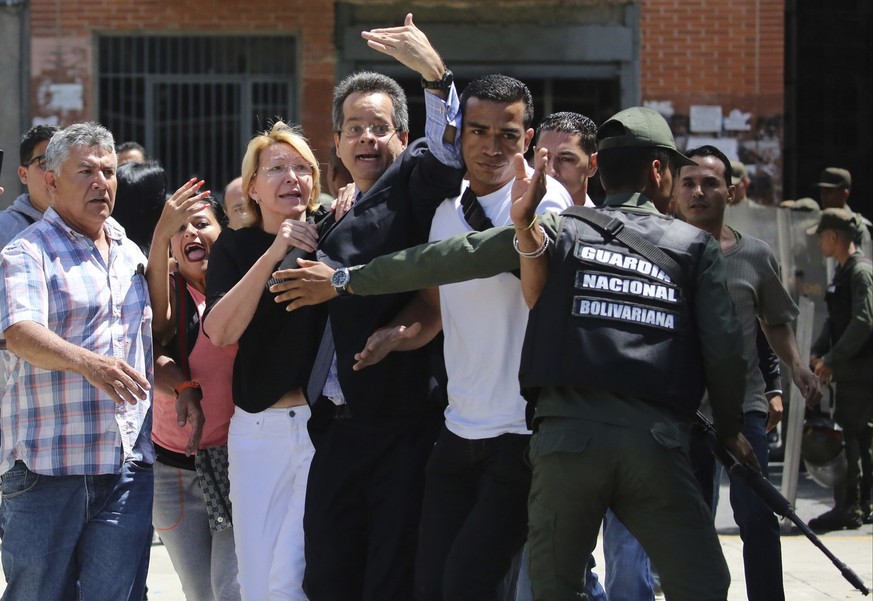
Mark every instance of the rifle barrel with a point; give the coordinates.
(770, 495)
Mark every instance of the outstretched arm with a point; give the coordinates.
(413, 327)
(457, 259)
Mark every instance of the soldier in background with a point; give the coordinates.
(843, 352)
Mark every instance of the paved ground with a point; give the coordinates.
(808, 574)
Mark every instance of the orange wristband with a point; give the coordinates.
(185, 386)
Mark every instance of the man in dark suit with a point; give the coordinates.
(373, 429)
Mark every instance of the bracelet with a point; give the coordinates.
(185, 386)
(533, 254)
(522, 229)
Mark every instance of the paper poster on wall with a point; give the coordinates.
(66, 97)
(705, 118)
(737, 120)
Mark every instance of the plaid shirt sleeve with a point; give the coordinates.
(23, 292)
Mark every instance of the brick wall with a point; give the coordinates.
(728, 53)
(62, 44)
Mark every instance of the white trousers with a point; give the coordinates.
(269, 454)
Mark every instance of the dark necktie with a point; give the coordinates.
(473, 212)
(321, 367)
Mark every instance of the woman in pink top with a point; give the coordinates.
(191, 510)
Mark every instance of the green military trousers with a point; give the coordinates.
(580, 468)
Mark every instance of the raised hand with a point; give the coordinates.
(184, 202)
(409, 46)
(528, 191)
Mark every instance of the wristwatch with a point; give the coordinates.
(339, 280)
(443, 83)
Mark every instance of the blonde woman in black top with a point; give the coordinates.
(269, 447)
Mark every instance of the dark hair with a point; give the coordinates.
(500, 88)
(142, 191)
(846, 237)
(572, 123)
(711, 151)
(367, 82)
(217, 210)
(130, 145)
(624, 167)
(338, 174)
(32, 137)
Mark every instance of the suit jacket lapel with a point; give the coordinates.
(374, 194)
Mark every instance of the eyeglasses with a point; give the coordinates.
(380, 130)
(40, 159)
(280, 169)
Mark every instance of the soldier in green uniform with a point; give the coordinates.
(844, 352)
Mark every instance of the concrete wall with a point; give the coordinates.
(11, 117)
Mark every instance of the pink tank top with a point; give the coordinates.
(212, 367)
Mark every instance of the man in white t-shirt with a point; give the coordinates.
(474, 519)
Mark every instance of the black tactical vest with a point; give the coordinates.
(609, 319)
(839, 304)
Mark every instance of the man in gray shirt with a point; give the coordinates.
(30, 206)
(701, 194)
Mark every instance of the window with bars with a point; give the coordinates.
(195, 101)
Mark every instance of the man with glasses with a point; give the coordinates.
(30, 205)
(373, 429)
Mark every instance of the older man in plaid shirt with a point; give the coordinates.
(75, 418)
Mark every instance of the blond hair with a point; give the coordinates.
(280, 133)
